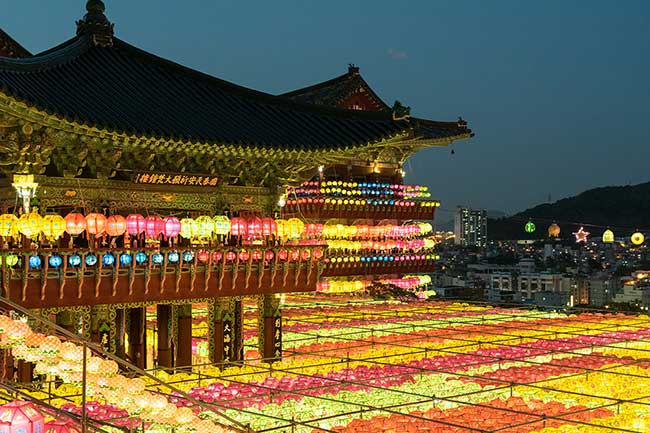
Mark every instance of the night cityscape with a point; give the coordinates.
(327, 217)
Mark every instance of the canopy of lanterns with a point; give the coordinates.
(408, 282)
(337, 188)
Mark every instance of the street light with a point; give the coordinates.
(25, 188)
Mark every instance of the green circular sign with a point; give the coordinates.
(530, 227)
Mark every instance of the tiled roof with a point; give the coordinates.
(10, 48)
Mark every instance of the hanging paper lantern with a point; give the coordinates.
(283, 254)
(221, 225)
(125, 259)
(238, 227)
(153, 226)
(115, 225)
(257, 254)
(53, 226)
(293, 255)
(269, 228)
(172, 226)
(8, 225)
(269, 255)
(55, 261)
(637, 238)
(205, 227)
(254, 228)
(157, 258)
(608, 236)
(30, 225)
(282, 228)
(74, 260)
(75, 223)
(108, 259)
(244, 256)
(203, 256)
(34, 262)
(189, 228)
(135, 224)
(296, 227)
(173, 257)
(581, 235)
(188, 256)
(553, 231)
(231, 256)
(140, 258)
(59, 426)
(91, 260)
(217, 256)
(95, 223)
(530, 227)
(21, 417)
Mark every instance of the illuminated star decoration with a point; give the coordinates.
(581, 235)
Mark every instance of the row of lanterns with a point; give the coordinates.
(173, 257)
(363, 202)
(416, 244)
(581, 235)
(364, 231)
(360, 189)
(349, 286)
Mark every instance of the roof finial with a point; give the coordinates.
(95, 24)
(353, 69)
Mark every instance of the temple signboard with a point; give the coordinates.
(176, 179)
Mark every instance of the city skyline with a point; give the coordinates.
(555, 92)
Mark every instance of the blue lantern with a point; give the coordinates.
(173, 257)
(91, 260)
(125, 259)
(140, 258)
(188, 256)
(157, 258)
(55, 261)
(108, 259)
(75, 260)
(34, 262)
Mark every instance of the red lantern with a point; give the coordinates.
(317, 253)
(254, 227)
(230, 256)
(244, 256)
(305, 254)
(115, 225)
(95, 223)
(257, 255)
(269, 228)
(324, 286)
(293, 255)
(21, 416)
(217, 256)
(135, 224)
(58, 426)
(238, 227)
(171, 227)
(75, 223)
(202, 255)
(153, 226)
(269, 255)
(282, 254)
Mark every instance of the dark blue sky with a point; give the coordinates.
(557, 91)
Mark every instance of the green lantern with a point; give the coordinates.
(11, 259)
(530, 227)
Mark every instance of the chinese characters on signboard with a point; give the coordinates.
(175, 179)
(228, 340)
(277, 338)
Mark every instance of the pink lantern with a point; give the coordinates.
(60, 426)
(154, 226)
(21, 416)
(254, 227)
(238, 227)
(231, 256)
(171, 226)
(135, 224)
(269, 228)
(95, 223)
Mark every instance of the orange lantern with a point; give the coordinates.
(115, 225)
(95, 223)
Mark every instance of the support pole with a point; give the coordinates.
(138, 337)
(184, 345)
(163, 314)
(269, 324)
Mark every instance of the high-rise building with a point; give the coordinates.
(470, 227)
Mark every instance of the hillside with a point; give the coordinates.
(623, 208)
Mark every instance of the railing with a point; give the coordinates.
(349, 209)
(58, 278)
(379, 264)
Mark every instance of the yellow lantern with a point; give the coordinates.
(282, 228)
(637, 238)
(30, 224)
(53, 226)
(189, 228)
(221, 225)
(429, 243)
(205, 226)
(8, 225)
(296, 227)
(608, 236)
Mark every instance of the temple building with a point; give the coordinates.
(130, 182)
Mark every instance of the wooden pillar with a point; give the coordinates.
(120, 316)
(225, 331)
(138, 337)
(7, 374)
(25, 371)
(238, 324)
(184, 340)
(163, 315)
(269, 324)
